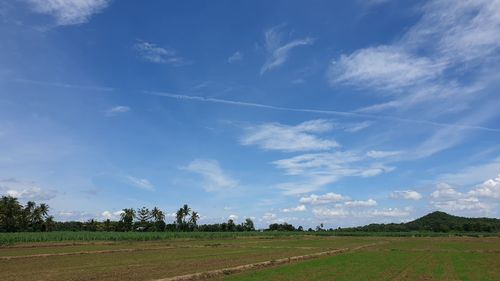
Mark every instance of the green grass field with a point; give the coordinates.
(363, 258)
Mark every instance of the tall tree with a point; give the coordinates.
(248, 225)
(185, 211)
(159, 219)
(10, 212)
(179, 216)
(194, 218)
(127, 218)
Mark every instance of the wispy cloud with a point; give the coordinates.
(350, 114)
(237, 56)
(382, 154)
(156, 54)
(68, 12)
(449, 40)
(215, 179)
(383, 67)
(406, 194)
(327, 198)
(299, 208)
(140, 182)
(315, 170)
(277, 50)
(25, 190)
(117, 109)
(301, 137)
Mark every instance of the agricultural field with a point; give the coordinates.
(254, 257)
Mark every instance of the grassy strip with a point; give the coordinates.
(29, 237)
(26, 237)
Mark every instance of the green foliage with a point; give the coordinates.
(15, 217)
(433, 222)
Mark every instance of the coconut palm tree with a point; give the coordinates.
(127, 218)
(185, 211)
(159, 218)
(157, 214)
(44, 210)
(179, 216)
(194, 218)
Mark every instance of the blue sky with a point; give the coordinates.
(342, 113)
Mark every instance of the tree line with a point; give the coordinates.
(30, 217)
(15, 217)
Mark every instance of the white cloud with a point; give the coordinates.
(111, 215)
(383, 67)
(488, 189)
(319, 169)
(277, 51)
(237, 56)
(444, 190)
(141, 183)
(299, 208)
(327, 198)
(25, 190)
(448, 199)
(449, 38)
(382, 154)
(406, 194)
(118, 109)
(318, 163)
(68, 12)
(269, 217)
(330, 213)
(232, 217)
(276, 136)
(361, 203)
(215, 179)
(340, 212)
(156, 54)
(309, 184)
(389, 212)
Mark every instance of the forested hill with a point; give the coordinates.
(438, 222)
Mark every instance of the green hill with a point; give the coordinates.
(436, 222)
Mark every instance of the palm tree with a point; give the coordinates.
(44, 210)
(179, 216)
(194, 218)
(159, 218)
(27, 215)
(157, 214)
(185, 211)
(127, 218)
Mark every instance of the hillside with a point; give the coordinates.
(437, 222)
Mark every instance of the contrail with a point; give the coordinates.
(319, 111)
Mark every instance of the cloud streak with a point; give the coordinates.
(215, 179)
(350, 114)
(69, 12)
(156, 54)
(302, 137)
(277, 51)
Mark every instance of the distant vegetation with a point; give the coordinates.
(31, 217)
(434, 222)
(15, 217)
